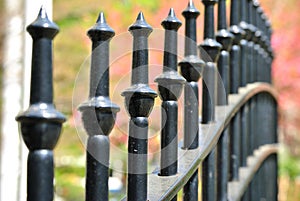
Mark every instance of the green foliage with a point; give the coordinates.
(127, 5)
(289, 165)
(69, 182)
(68, 21)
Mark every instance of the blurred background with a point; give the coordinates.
(72, 50)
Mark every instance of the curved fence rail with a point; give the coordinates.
(232, 145)
(164, 188)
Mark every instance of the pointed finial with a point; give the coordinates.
(42, 26)
(140, 17)
(191, 10)
(42, 12)
(171, 13)
(101, 30)
(141, 24)
(101, 18)
(171, 22)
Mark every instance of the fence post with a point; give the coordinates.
(244, 80)
(235, 81)
(225, 38)
(261, 71)
(191, 68)
(170, 85)
(98, 113)
(246, 62)
(250, 42)
(250, 59)
(139, 101)
(252, 103)
(267, 44)
(257, 37)
(269, 49)
(41, 123)
(212, 47)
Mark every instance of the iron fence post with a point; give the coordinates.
(139, 101)
(212, 47)
(235, 82)
(269, 49)
(244, 80)
(252, 102)
(41, 123)
(257, 40)
(98, 113)
(191, 68)
(225, 38)
(170, 85)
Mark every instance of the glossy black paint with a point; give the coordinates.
(225, 38)
(98, 113)
(191, 69)
(245, 71)
(243, 55)
(41, 123)
(139, 101)
(212, 47)
(170, 85)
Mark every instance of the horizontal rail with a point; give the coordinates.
(166, 187)
(236, 189)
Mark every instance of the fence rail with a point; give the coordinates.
(234, 141)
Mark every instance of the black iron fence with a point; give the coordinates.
(232, 145)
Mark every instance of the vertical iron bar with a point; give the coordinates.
(244, 80)
(251, 41)
(257, 41)
(235, 71)
(245, 74)
(265, 106)
(263, 45)
(274, 160)
(251, 59)
(98, 113)
(260, 98)
(235, 81)
(191, 68)
(269, 49)
(212, 47)
(225, 38)
(244, 43)
(170, 85)
(41, 123)
(139, 101)
(266, 48)
(255, 190)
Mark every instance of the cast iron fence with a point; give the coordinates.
(234, 142)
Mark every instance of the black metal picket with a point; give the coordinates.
(41, 123)
(234, 141)
(98, 113)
